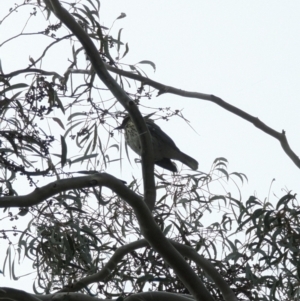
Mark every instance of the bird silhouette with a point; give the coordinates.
(164, 148)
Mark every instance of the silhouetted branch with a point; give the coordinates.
(158, 296)
(19, 295)
(11, 294)
(208, 268)
(7, 293)
(108, 268)
(147, 152)
(32, 70)
(184, 250)
(50, 45)
(254, 120)
(149, 228)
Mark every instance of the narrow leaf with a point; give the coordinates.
(58, 101)
(149, 63)
(167, 229)
(63, 151)
(58, 121)
(13, 87)
(84, 158)
(119, 38)
(123, 15)
(126, 50)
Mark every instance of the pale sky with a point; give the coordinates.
(246, 52)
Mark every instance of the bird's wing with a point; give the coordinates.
(160, 135)
(166, 164)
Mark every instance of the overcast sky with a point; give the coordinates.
(246, 52)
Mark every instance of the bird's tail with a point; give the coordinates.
(189, 161)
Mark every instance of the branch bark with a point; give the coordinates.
(19, 295)
(158, 296)
(147, 150)
(184, 250)
(281, 137)
(7, 293)
(109, 267)
(11, 294)
(148, 226)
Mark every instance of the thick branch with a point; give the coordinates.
(184, 250)
(73, 297)
(100, 69)
(51, 189)
(158, 296)
(148, 226)
(254, 120)
(11, 294)
(109, 266)
(208, 268)
(19, 295)
(7, 293)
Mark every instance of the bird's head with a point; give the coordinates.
(127, 119)
(123, 124)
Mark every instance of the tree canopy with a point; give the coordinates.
(90, 234)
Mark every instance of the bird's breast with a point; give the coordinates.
(132, 139)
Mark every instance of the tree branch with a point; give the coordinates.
(184, 250)
(11, 294)
(208, 268)
(220, 102)
(19, 295)
(149, 228)
(50, 45)
(109, 266)
(158, 296)
(73, 297)
(7, 293)
(100, 69)
(32, 70)
(42, 193)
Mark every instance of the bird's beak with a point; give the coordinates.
(120, 127)
(123, 124)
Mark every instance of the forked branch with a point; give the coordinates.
(147, 153)
(149, 228)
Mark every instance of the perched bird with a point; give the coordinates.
(164, 147)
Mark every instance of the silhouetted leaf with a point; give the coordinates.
(64, 151)
(126, 50)
(83, 158)
(123, 15)
(13, 87)
(23, 212)
(119, 38)
(167, 229)
(59, 122)
(148, 63)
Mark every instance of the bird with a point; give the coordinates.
(164, 148)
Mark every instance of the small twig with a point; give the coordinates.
(32, 70)
(50, 45)
(20, 34)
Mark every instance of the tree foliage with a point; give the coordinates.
(159, 236)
